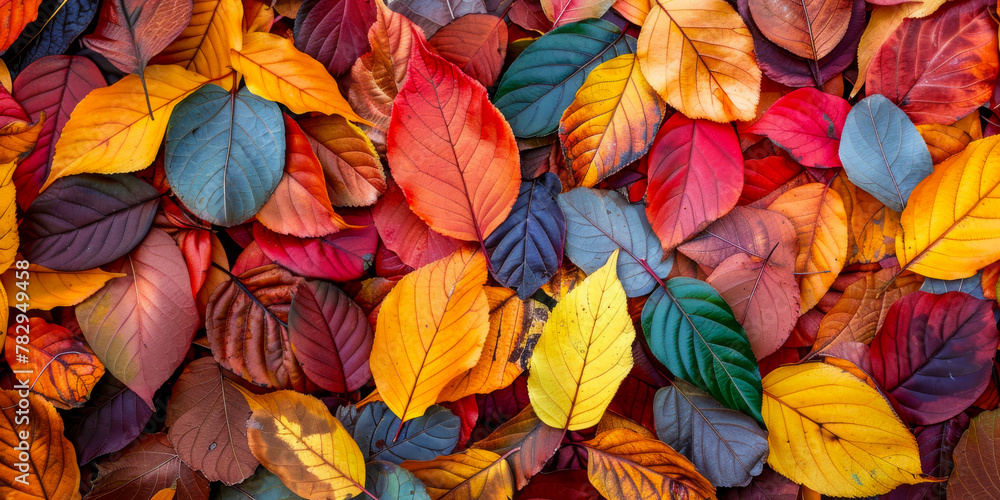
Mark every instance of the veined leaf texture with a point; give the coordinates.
(499, 249)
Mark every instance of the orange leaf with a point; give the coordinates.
(63, 367)
(820, 221)
(203, 46)
(562, 12)
(49, 471)
(862, 308)
(698, 54)
(353, 170)
(300, 206)
(48, 288)
(451, 150)
(623, 464)
(274, 69)
(515, 326)
(431, 328)
(16, 14)
(473, 473)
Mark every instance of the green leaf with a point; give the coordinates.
(225, 153)
(692, 331)
(542, 82)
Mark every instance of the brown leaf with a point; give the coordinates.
(145, 467)
(207, 418)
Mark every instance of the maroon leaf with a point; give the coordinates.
(207, 421)
(52, 85)
(334, 32)
(563, 484)
(768, 486)
(533, 443)
(936, 443)
(330, 337)
(145, 467)
(934, 354)
(111, 419)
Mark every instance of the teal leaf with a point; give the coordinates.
(387, 480)
(542, 82)
(692, 331)
(225, 153)
(423, 438)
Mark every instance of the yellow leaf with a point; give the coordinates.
(862, 308)
(820, 220)
(274, 69)
(17, 139)
(926, 8)
(296, 437)
(951, 223)
(514, 326)
(622, 465)
(473, 473)
(611, 122)
(835, 434)
(110, 130)
(430, 329)
(698, 54)
(584, 353)
(52, 473)
(48, 288)
(203, 47)
(9, 238)
(885, 19)
(5, 80)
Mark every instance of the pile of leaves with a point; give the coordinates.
(497, 249)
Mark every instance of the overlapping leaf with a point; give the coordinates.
(52, 473)
(62, 368)
(570, 390)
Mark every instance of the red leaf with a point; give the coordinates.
(807, 123)
(141, 325)
(695, 176)
(451, 151)
(341, 256)
(939, 68)
(761, 177)
(16, 14)
(404, 233)
(934, 354)
(300, 206)
(52, 85)
(334, 32)
(330, 337)
(476, 43)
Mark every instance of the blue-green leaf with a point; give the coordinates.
(542, 82)
(423, 438)
(973, 285)
(599, 222)
(882, 151)
(387, 480)
(225, 153)
(692, 331)
(263, 485)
